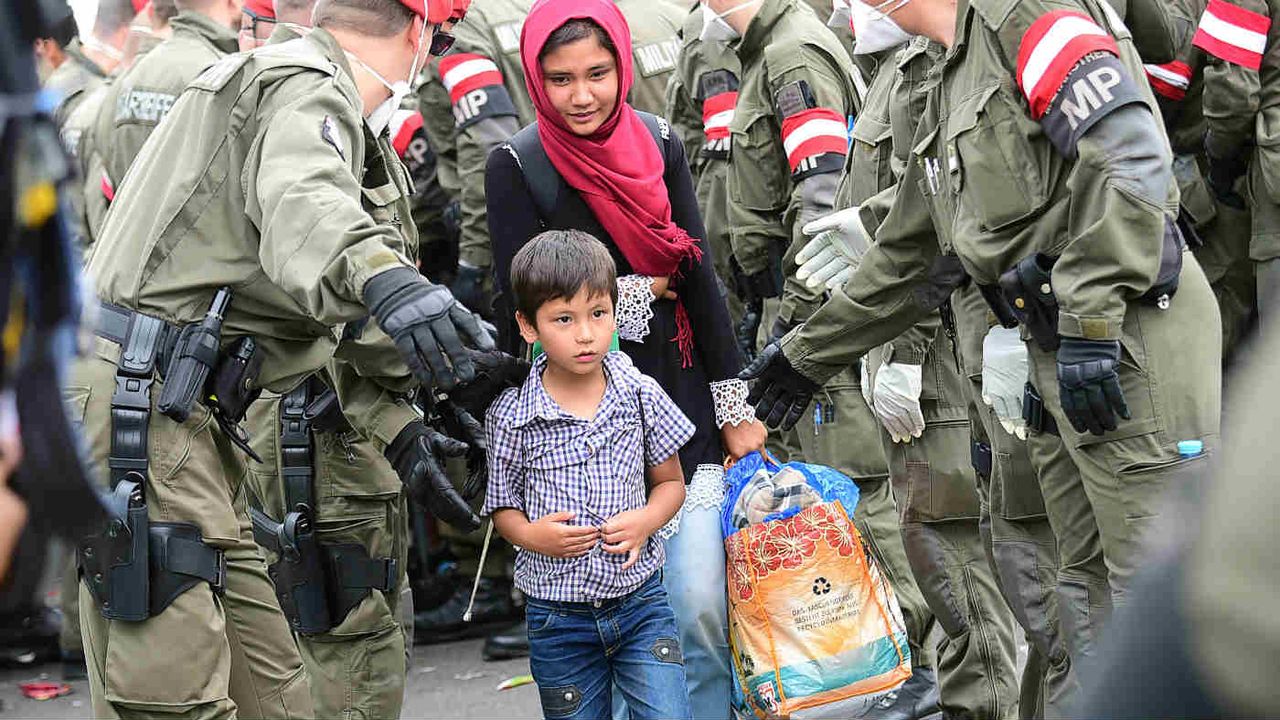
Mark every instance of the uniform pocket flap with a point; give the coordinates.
(871, 131)
(964, 117)
(382, 195)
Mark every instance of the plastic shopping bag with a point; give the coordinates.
(815, 629)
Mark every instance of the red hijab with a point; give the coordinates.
(618, 170)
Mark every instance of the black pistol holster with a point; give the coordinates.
(317, 584)
(1028, 289)
(135, 568)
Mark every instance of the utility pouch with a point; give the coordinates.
(1038, 418)
(298, 574)
(115, 562)
(233, 388)
(1028, 289)
(194, 356)
(1166, 284)
(999, 306)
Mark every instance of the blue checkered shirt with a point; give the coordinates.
(543, 460)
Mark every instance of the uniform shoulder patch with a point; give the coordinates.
(329, 133)
(794, 98)
(1051, 48)
(508, 35)
(1232, 33)
(717, 82)
(658, 57)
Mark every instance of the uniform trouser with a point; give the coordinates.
(1016, 530)
(1224, 257)
(848, 440)
(358, 667)
(1170, 373)
(203, 656)
(939, 509)
(69, 639)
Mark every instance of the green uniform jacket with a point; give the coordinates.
(998, 191)
(253, 183)
(790, 139)
(140, 99)
(71, 80)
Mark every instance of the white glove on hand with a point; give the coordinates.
(897, 400)
(831, 257)
(1004, 377)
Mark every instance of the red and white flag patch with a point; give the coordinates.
(404, 123)
(1233, 34)
(464, 72)
(107, 187)
(1052, 46)
(717, 113)
(814, 132)
(1170, 80)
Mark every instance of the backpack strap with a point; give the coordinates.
(542, 178)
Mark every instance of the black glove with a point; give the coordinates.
(1225, 167)
(414, 456)
(468, 288)
(749, 328)
(462, 425)
(1090, 386)
(427, 325)
(779, 329)
(781, 395)
(495, 371)
(765, 284)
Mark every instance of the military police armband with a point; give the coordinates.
(1070, 72)
(1170, 80)
(816, 139)
(408, 139)
(475, 88)
(1231, 33)
(718, 91)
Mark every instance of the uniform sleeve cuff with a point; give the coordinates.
(906, 355)
(388, 421)
(1089, 327)
(797, 351)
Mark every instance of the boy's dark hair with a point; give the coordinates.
(558, 264)
(572, 32)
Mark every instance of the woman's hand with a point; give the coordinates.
(744, 438)
(660, 286)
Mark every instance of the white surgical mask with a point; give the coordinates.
(873, 29)
(715, 29)
(380, 117)
(839, 14)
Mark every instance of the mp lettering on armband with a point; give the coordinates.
(1170, 80)
(408, 139)
(1231, 33)
(475, 88)
(1070, 72)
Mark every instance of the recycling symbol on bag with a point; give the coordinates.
(821, 586)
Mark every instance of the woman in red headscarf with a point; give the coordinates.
(593, 163)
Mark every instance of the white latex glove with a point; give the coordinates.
(1004, 377)
(839, 241)
(897, 400)
(866, 383)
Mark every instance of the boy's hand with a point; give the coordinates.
(553, 535)
(627, 532)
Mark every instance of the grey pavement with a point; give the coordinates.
(447, 681)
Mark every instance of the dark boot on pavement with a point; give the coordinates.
(508, 643)
(917, 698)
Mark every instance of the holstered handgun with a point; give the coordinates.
(1028, 289)
(115, 562)
(298, 573)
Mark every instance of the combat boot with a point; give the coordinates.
(917, 698)
(493, 605)
(508, 643)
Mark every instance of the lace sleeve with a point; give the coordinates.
(730, 399)
(635, 295)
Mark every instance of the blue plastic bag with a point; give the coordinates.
(830, 484)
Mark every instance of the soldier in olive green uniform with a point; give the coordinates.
(1241, 99)
(1121, 398)
(137, 101)
(274, 213)
(1221, 223)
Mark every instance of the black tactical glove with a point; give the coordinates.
(779, 329)
(749, 328)
(427, 325)
(460, 424)
(1226, 165)
(414, 455)
(495, 371)
(765, 284)
(1090, 386)
(468, 288)
(780, 394)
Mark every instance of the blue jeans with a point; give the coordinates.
(578, 652)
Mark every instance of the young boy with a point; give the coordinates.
(569, 456)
